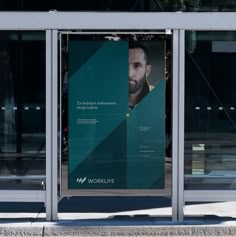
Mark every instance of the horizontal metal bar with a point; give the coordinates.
(209, 195)
(31, 156)
(115, 192)
(113, 32)
(202, 176)
(117, 20)
(22, 196)
(26, 177)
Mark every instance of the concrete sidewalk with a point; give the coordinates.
(146, 231)
(113, 217)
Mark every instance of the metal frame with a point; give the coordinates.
(120, 20)
(180, 140)
(52, 21)
(210, 196)
(51, 125)
(60, 111)
(22, 196)
(178, 125)
(64, 191)
(48, 122)
(175, 94)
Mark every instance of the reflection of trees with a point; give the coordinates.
(7, 100)
(200, 5)
(126, 6)
(218, 5)
(183, 5)
(165, 5)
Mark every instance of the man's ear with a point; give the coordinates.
(148, 70)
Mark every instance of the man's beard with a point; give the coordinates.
(136, 86)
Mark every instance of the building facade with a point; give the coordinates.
(195, 44)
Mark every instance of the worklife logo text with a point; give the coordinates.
(82, 180)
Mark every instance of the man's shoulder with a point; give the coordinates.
(150, 87)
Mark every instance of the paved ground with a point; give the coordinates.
(114, 216)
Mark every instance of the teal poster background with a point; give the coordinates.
(110, 146)
(146, 141)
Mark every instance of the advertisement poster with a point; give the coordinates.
(116, 115)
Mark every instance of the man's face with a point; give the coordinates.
(138, 70)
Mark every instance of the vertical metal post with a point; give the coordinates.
(54, 124)
(175, 117)
(51, 125)
(178, 125)
(181, 124)
(48, 123)
(60, 111)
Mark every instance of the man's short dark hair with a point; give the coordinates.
(138, 45)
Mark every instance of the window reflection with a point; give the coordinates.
(123, 6)
(210, 118)
(22, 109)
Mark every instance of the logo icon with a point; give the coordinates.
(81, 180)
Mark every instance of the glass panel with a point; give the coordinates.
(210, 110)
(101, 154)
(22, 110)
(114, 5)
